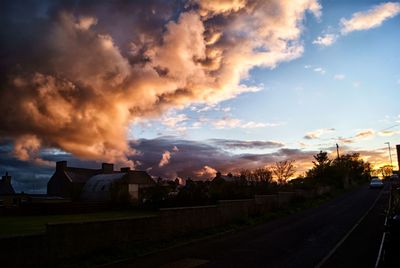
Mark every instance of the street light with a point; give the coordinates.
(390, 154)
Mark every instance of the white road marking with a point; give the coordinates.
(322, 262)
(384, 233)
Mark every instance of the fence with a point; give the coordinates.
(65, 240)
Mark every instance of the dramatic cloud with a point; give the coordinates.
(94, 68)
(317, 133)
(371, 18)
(200, 160)
(325, 40)
(197, 160)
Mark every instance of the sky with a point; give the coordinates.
(186, 88)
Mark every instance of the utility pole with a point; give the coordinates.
(337, 150)
(390, 154)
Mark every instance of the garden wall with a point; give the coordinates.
(65, 240)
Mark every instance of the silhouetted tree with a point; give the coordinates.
(262, 175)
(341, 172)
(321, 160)
(283, 170)
(321, 167)
(386, 170)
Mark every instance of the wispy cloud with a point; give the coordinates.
(364, 20)
(318, 133)
(320, 70)
(229, 122)
(371, 18)
(339, 77)
(172, 120)
(360, 135)
(325, 40)
(388, 133)
(243, 144)
(252, 124)
(365, 134)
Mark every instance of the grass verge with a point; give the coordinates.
(23, 225)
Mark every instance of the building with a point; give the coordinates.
(5, 185)
(98, 185)
(68, 182)
(226, 178)
(122, 186)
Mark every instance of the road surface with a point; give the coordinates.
(312, 238)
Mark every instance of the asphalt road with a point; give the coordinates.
(304, 239)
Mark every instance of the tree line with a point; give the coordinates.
(339, 173)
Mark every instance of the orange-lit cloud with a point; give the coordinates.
(364, 20)
(86, 82)
(372, 18)
(325, 40)
(365, 134)
(206, 172)
(166, 156)
(318, 133)
(388, 133)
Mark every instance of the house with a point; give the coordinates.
(68, 182)
(5, 185)
(98, 185)
(226, 178)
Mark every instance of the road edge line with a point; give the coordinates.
(332, 251)
(378, 259)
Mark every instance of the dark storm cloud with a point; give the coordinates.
(241, 144)
(194, 156)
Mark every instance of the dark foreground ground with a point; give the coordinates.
(308, 239)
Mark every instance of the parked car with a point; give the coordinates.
(394, 177)
(375, 183)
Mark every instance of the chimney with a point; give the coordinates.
(125, 169)
(6, 179)
(107, 168)
(61, 165)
